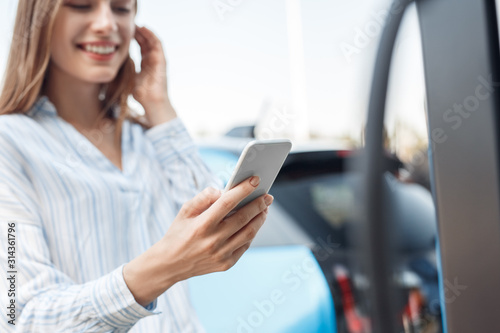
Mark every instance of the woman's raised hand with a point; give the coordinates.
(151, 82)
(200, 240)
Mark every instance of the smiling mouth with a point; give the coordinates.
(99, 49)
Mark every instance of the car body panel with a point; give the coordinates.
(279, 289)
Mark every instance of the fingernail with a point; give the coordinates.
(254, 181)
(268, 199)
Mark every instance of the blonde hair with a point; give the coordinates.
(29, 56)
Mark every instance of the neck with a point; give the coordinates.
(77, 102)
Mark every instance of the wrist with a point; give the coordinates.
(159, 112)
(148, 276)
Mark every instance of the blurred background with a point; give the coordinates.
(297, 69)
(301, 70)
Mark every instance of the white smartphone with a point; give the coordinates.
(262, 158)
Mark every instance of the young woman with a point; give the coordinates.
(100, 202)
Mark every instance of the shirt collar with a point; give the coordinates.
(43, 104)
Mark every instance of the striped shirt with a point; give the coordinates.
(79, 218)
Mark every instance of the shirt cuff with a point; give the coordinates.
(115, 304)
(170, 139)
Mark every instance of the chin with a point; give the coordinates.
(105, 80)
(102, 77)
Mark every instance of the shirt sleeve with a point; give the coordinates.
(46, 299)
(180, 160)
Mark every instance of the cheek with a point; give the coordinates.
(63, 32)
(127, 30)
(127, 33)
(60, 47)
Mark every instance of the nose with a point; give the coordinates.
(104, 21)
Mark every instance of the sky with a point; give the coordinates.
(227, 59)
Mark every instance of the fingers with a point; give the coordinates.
(147, 39)
(153, 60)
(141, 40)
(139, 35)
(245, 214)
(246, 234)
(200, 202)
(230, 199)
(239, 252)
(237, 255)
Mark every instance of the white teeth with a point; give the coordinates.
(99, 49)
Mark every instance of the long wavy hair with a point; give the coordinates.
(29, 57)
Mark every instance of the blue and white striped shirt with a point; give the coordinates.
(79, 218)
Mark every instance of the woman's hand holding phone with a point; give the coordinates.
(201, 240)
(151, 82)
